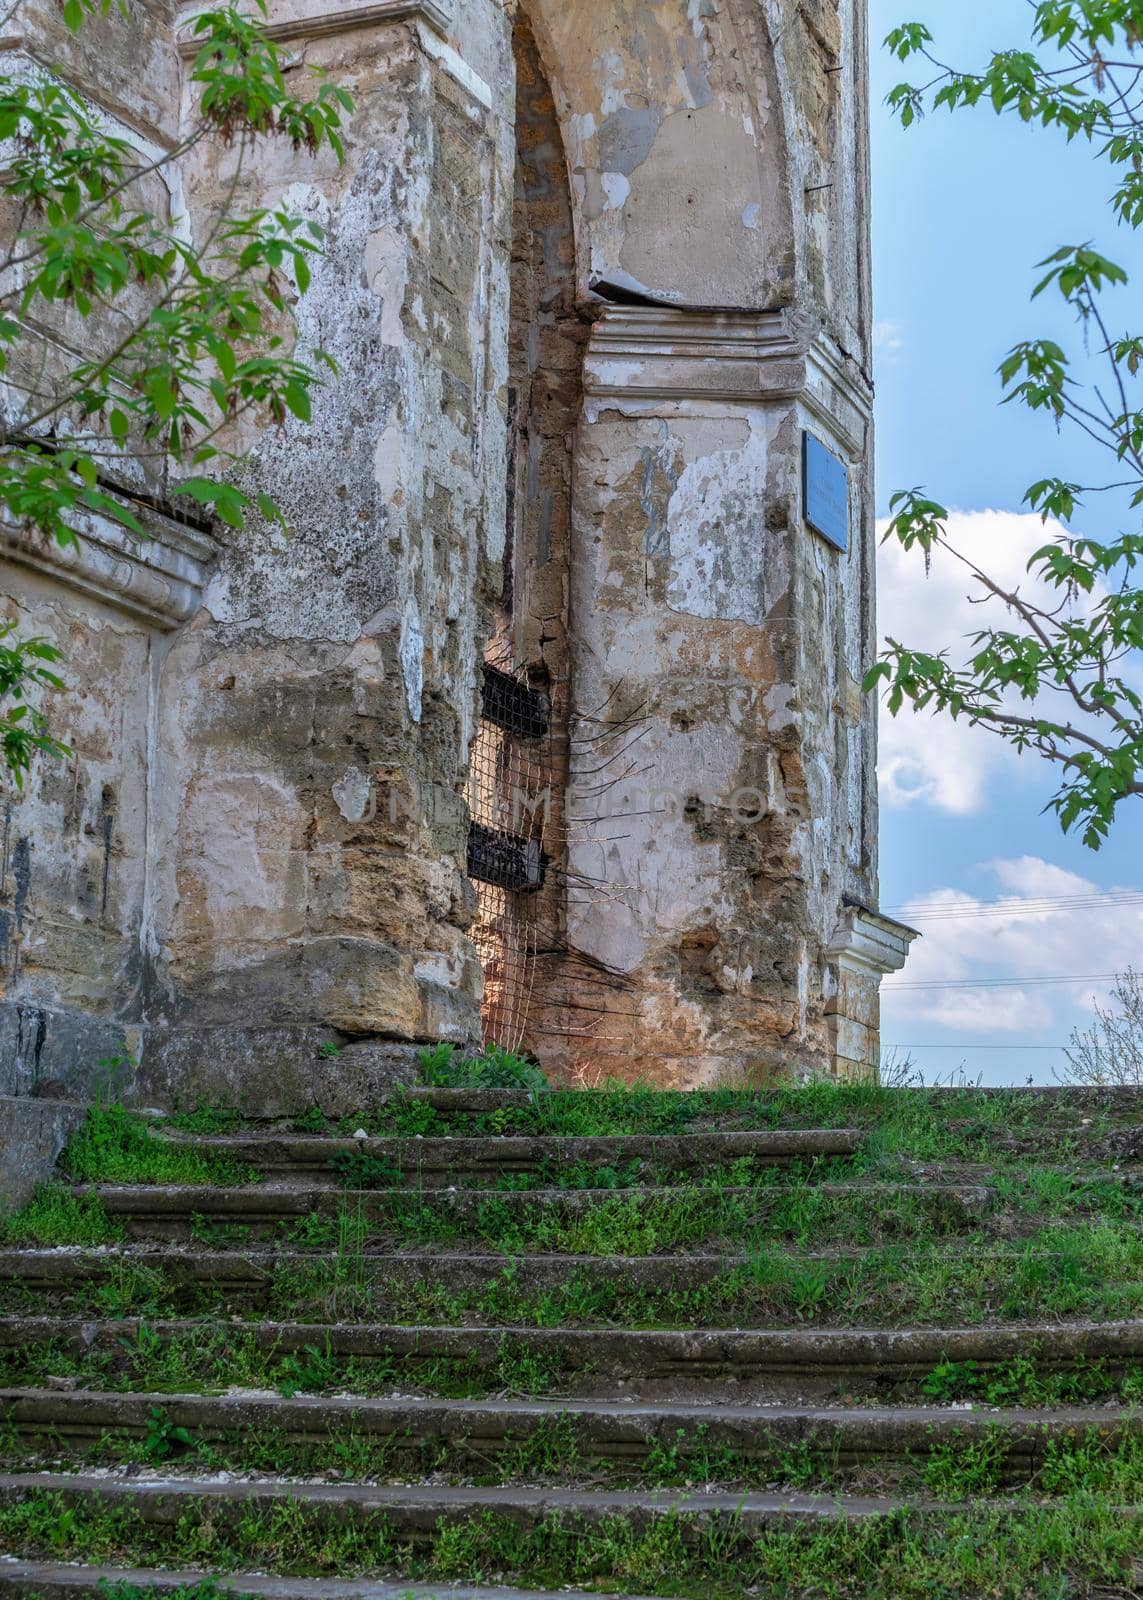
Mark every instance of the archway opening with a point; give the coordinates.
(518, 787)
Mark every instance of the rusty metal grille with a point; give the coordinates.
(514, 707)
(509, 801)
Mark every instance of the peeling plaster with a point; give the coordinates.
(626, 137)
(386, 271)
(354, 794)
(685, 582)
(413, 658)
(616, 189)
(660, 478)
(716, 523)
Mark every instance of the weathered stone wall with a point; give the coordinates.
(592, 267)
(320, 713)
(73, 846)
(717, 156)
(263, 826)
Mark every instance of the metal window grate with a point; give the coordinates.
(509, 785)
(513, 706)
(505, 860)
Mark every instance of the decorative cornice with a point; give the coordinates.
(663, 353)
(158, 580)
(838, 394)
(867, 942)
(641, 353)
(436, 13)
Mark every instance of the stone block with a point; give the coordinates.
(33, 1134)
(272, 1072)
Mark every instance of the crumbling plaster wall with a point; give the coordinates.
(319, 714)
(73, 843)
(284, 723)
(286, 754)
(717, 157)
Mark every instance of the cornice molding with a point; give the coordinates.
(664, 353)
(649, 353)
(437, 14)
(867, 942)
(159, 580)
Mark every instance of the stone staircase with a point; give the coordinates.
(797, 1348)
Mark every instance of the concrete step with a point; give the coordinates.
(783, 1357)
(434, 1162)
(153, 1212)
(54, 1580)
(249, 1273)
(248, 1276)
(416, 1513)
(462, 1437)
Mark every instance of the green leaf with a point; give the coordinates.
(297, 398)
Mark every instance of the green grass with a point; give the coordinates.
(779, 1208)
(1021, 1382)
(554, 1453)
(208, 1589)
(211, 1354)
(210, 1359)
(56, 1215)
(925, 1126)
(206, 1119)
(442, 1068)
(116, 1146)
(1057, 1273)
(1060, 1551)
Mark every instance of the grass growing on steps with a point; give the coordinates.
(56, 1215)
(1019, 1179)
(923, 1126)
(795, 1212)
(1057, 1272)
(554, 1455)
(205, 1119)
(116, 1146)
(208, 1589)
(442, 1068)
(210, 1357)
(1028, 1552)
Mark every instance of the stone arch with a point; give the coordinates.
(547, 336)
(676, 145)
(521, 937)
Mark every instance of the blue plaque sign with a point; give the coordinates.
(825, 492)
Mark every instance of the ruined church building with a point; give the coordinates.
(545, 722)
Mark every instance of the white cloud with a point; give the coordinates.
(1016, 942)
(888, 341)
(933, 760)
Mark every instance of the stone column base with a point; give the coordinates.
(865, 947)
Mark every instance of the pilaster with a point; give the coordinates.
(866, 947)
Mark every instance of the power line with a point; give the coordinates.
(975, 1047)
(1000, 983)
(957, 912)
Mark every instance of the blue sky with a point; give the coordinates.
(964, 209)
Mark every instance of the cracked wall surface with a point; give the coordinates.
(592, 269)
